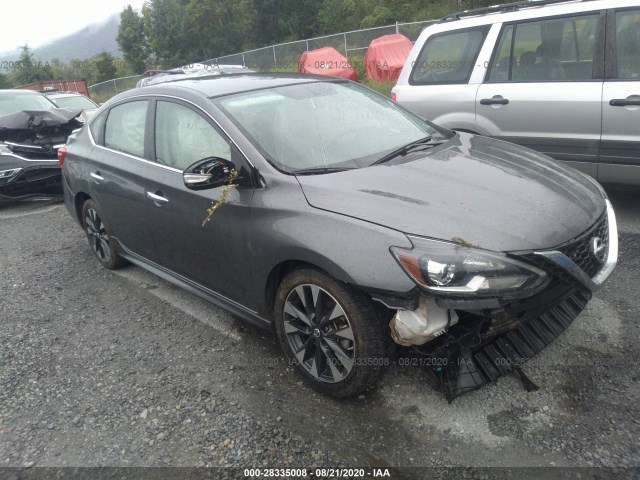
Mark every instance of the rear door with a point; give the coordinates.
(117, 171)
(543, 89)
(620, 153)
(444, 78)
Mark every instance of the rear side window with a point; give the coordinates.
(559, 49)
(448, 57)
(628, 44)
(96, 128)
(124, 130)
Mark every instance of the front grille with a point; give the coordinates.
(581, 251)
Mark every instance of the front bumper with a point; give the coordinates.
(487, 343)
(22, 178)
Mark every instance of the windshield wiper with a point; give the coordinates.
(321, 170)
(409, 147)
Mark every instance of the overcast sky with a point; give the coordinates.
(37, 22)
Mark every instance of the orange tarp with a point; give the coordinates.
(326, 61)
(385, 57)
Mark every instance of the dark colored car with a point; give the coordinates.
(344, 221)
(32, 129)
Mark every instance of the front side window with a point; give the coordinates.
(323, 124)
(560, 49)
(124, 130)
(448, 58)
(183, 137)
(628, 44)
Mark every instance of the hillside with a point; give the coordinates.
(82, 44)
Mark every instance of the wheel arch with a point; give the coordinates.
(279, 271)
(79, 200)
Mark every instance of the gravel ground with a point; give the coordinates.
(104, 369)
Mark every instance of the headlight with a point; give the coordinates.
(449, 268)
(4, 174)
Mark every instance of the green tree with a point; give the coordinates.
(168, 33)
(4, 81)
(30, 70)
(132, 39)
(105, 68)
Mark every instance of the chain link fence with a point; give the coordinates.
(101, 92)
(284, 56)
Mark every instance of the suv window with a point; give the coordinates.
(559, 49)
(124, 130)
(628, 44)
(448, 58)
(183, 137)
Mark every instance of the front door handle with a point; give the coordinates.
(157, 198)
(624, 102)
(496, 100)
(96, 176)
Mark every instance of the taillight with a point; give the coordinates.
(62, 153)
(393, 96)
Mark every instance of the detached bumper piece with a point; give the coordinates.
(471, 362)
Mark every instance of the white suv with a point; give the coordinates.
(561, 77)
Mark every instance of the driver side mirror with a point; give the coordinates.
(211, 172)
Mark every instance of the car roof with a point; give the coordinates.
(218, 85)
(526, 10)
(18, 91)
(65, 94)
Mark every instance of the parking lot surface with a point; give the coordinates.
(101, 368)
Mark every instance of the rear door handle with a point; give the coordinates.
(623, 102)
(497, 100)
(157, 198)
(96, 176)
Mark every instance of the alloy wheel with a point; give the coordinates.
(97, 234)
(319, 333)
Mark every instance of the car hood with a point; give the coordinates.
(472, 190)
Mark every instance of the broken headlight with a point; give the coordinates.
(449, 268)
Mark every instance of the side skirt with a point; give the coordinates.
(209, 295)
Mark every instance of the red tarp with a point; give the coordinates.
(385, 57)
(326, 61)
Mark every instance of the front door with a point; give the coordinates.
(214, 255)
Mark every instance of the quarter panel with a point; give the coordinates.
(285, 227)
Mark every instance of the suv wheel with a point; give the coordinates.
(98, 234)
(330, 332)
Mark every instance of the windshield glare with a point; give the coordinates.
(317, 125)
(17, 102)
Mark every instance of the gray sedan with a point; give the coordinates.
(318, 207)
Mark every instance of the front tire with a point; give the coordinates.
(99, 236)
(331, 332)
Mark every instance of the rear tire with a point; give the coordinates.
(331, 333)
(99, 236)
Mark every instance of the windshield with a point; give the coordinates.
(75, 101)
(19, 101)
(323, 125)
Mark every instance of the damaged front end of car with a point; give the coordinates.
(480, 314)
(29, 141)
